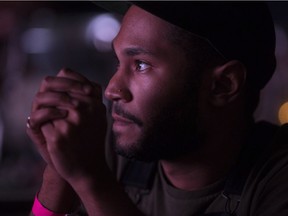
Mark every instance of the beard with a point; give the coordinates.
(170, 133)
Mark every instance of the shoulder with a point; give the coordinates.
(266, 190)
(274, 155)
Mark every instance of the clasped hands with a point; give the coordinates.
(68, 125)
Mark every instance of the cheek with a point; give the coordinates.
(150, 100)
(159, 90)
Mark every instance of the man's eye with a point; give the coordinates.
(141, 66)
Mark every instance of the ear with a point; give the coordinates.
(227, 82)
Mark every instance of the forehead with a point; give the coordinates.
(137, 16)
(139, 26)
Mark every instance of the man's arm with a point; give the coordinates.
(104, 196)
(56, 194)
(73, 145)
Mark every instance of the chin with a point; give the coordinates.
(166, 138)
(154, 150)
(133, 150)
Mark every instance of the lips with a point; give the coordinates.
(124, 118)
(121, 121)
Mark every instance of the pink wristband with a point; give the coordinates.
(39, 210)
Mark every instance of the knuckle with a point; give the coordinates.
(63, 72)
(54, 139)
(38, 96)
(46, 83)
(76, 103)
(66, 72)
(65, 127)
(37, 100)
(46, 80)
(76, 117)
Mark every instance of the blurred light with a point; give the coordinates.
(281, 41)
(101, 30)
(37, 40)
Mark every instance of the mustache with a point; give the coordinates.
(121, 112)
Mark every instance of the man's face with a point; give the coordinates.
(153, 108)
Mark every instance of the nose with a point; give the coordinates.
(118, 88)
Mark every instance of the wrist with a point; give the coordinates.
(56, 194)
(96, 181)
(39, 209)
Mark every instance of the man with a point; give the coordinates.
(183, 98)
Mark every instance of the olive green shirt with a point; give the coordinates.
(265, 191)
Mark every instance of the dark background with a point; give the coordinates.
(39, 38)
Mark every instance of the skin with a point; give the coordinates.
(151, 77)
(68, 123)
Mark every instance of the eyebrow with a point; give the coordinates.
(134, 51)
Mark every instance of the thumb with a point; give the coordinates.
(49, 132)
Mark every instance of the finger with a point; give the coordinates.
(62, 84)
(36, 136)
(53, 137)
(63, 101)
(48, 131)
(43, 116)
(40, 143)
(68, 73)
(96, 94)
(43, 148)
(52, 99)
